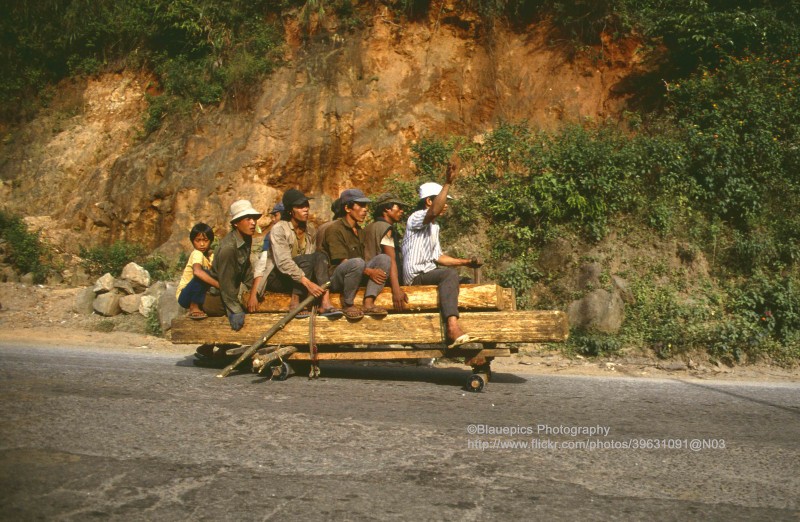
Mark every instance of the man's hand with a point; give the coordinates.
(313, 288)
(452, 168)
(475, 262)
(376, 274)
(252, 302)
(237, 321)
(399, 299)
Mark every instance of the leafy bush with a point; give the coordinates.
(111, 259)
(200, 49)
(27, 252)
(153, 323)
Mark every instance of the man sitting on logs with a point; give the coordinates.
(343, 243)
(231, 265)
(381, 237)
(423, 260)
(292, 265)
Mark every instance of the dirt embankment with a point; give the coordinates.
(40, 315)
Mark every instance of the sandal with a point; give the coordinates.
(376, 311)
(353, 312)
(196, 315)
(330, 312)
(303, 314)
(463, 339)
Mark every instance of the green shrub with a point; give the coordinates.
(111, 259)
(153, 323)
(161, 269)
(27, 252)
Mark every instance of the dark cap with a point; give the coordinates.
(293, 198)
(388, 198)
(278, 208)
(354, 196)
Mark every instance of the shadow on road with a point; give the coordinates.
(372, 371)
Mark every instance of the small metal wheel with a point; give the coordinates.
(476, 382)
(281, 372)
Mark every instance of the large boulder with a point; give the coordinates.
(599, 311)
(84, 301)
(104, 284)
(130, 303)
(168, 307)
(138, 276)
(124, 286)
(107, 304)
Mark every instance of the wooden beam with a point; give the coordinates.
(419, 328)
(388, 355)
(420, 298)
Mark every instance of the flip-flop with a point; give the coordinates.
(463, 339)
(330, 312)
(305, 314)
(353, 313)
(196, 315)
(376, 311)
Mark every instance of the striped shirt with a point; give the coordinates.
(420, 246)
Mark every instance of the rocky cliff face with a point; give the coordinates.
(343, 112)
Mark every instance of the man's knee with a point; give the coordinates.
(450, 276)
(381, 261)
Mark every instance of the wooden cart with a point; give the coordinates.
(487, 311)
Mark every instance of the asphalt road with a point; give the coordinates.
(90, 434)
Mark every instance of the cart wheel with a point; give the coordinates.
(281, 371)
(476, 382)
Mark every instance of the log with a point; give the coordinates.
(388, 355)
(420, 328)
(262, 358)
(420, 298)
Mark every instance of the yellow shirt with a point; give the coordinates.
(196, 257)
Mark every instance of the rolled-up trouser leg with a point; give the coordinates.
(346, 277)
(446, 279)
(383, 262)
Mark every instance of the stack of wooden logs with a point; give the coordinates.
(487, 311)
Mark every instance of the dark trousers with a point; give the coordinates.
(446, 279)
(194, 292)
(315, 268)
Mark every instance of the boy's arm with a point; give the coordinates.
(202, 275)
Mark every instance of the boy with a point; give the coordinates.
(195, 279)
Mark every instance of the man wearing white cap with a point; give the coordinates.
(231, 266)
(423, 260)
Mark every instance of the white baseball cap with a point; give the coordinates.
(430, 189)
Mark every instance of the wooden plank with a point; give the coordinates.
(420, 298)
(388, 355)
(420, 328)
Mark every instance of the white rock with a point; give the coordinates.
(137, 275)
(146, 304)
